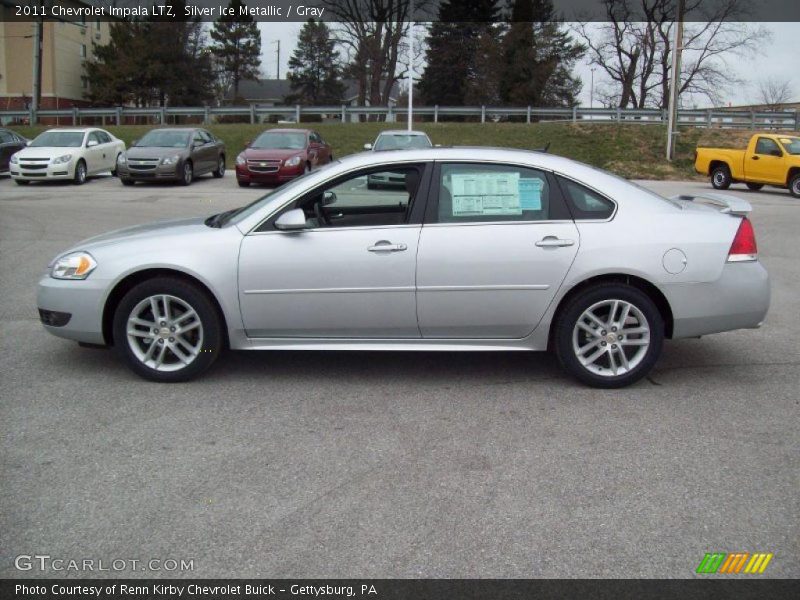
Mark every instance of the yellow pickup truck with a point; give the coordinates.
(769, 160)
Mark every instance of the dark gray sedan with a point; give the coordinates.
(10, 142)
(175, 154)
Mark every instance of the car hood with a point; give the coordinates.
(46, 152)
(174, 227)
(153, 152)
(269, 153)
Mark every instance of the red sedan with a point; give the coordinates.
(279, 155)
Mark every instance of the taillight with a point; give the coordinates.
(744, 246)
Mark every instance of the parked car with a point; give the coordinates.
(392, 139)
(10, 143)
(399, 139)
(280, 155)
(519, 250)
(770, 159)
(178, 154)
(67, 154)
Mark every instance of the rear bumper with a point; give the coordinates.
(81, 300)
(739, 299)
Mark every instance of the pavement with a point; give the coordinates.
(337, 464)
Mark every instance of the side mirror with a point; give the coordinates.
(328, 198)
(29, 142)
(367, 146)
(91, 143)
(777, 153)
(292, 220)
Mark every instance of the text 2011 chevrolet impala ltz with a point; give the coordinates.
(481, 249)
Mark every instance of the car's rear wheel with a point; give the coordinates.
(243, 183)
(114, 168)
(21, 182)
(187, 173)
(219, 172)
(609, 336)
(755, 186)
(794, 186)
(167, 330)
(80, 173)
(126, 181)
(721, 177)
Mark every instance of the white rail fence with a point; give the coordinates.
(254, 113)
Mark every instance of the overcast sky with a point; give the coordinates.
(778, 59)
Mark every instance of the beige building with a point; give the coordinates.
(66, 46)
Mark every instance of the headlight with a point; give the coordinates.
(13, 160)
(240, 160)
(62, 159)
(121, 159)
(170, 160)
(292, 162)
(77, 265)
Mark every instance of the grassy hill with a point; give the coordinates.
(630, 150)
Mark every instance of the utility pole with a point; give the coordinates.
(278, 60)
(410, 67)
(675, 81)
(37, 69)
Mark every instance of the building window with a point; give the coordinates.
(83, 50)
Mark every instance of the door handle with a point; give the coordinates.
(387, 246)
(755, 158)
(554, 242)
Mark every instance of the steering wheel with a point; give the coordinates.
(320, 214)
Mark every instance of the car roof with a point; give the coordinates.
(286, 130)
(401, 132)
(72, 129)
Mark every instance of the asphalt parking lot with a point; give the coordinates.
(300, 464)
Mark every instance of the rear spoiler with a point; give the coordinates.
(727, 203)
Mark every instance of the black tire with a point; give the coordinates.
(79, 178)
(21, 181)
(126, 181)
(212, 332)
(721, 177)
(187, 173)
(114, 169)
(754, 187)
(566, 325)
(794, 185)
(243, 183)
(219, 172)
(330, 157)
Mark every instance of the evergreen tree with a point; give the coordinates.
(456, 43)
(237, 46)
(537, 58)
(314, 72)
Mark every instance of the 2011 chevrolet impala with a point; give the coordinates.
(481, 249)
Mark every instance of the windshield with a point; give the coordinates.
(792, 145)
(165, 139)
(59, 139)
(401, 142)
(274, 140)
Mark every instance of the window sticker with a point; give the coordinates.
(530, 194)
(480, 194)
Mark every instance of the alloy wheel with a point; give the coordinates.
(611, 338)
(165, 333)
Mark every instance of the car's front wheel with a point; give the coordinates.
(219, 172)
(794, 186)
(187, 173)
(609, 336)
(721, 177)
(80, 173)
(167, 330)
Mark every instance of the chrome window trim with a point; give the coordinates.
(335, 229)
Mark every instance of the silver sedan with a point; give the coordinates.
(480, 249)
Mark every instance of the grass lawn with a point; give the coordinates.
(634, 151)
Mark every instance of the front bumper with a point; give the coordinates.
(739, 299)
(50, 172)
(82, 300)
(157, 173)
(282, 175)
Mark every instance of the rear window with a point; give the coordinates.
(585, 203)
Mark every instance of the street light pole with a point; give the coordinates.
(410, 66)
(675, 81)
(278, 60)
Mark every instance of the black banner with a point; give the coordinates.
(424, 11)
(387, 589)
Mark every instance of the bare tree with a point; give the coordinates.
(374, 31)
(634, 48)
(774, 92)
